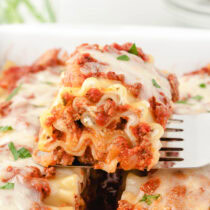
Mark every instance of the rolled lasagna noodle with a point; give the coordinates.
(110, 111)
(167, 189)
(24, 184)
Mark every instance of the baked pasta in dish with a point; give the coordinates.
(25, 92)
(110, 111)
(167, 189)
(194, 92)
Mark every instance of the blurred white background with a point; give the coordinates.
(108, 12)
(141, 12)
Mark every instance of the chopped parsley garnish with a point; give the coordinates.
(155, 83)
(181, 102)
(37, 106)
(21, 153)
(49, 83)
(133, 49)
(185, 101)
(202, 85)
(5, 128)
(13, 150)
(197, 97)
(123, 58)
(24, 153)
(7, 186)
(13, 93)
(148, 198)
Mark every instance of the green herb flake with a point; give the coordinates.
(181, 102)
(24, 153)
(184, 101)
(123, 58)
(7, 186)
(133, 49)
(13, 150)
(5, 128)
(155, 83)
(202, 85)
(148, 198)
(49, 83)
(13, 93)
(197, 97)
(21, 153)
(38, 106)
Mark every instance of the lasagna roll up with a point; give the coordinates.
(110, 111)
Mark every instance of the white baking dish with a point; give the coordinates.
(175, 49)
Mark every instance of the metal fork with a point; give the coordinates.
(187, 136)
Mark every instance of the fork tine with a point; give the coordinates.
(170, 159)
(174, 129)
(171, 139)
(171, 149)
(176, 120)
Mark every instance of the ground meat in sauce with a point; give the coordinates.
(125, 205)
(142, 154)
(150, 186)
(10, 76)
(49, 172)
(94, 95)
(105, 112)
(85, 58)
(173, 81)
(61, 157)
(31, 176)
(203, 70)
(87, 158)
(113, 76)
(141, 131)
(135, 89)
(41, 185)
(176, 196)
(161, 111)
(5, 108)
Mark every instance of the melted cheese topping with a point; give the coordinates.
(186, 189)
(26, 107)
(135, 70)
(13, 199)
(197, 98)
